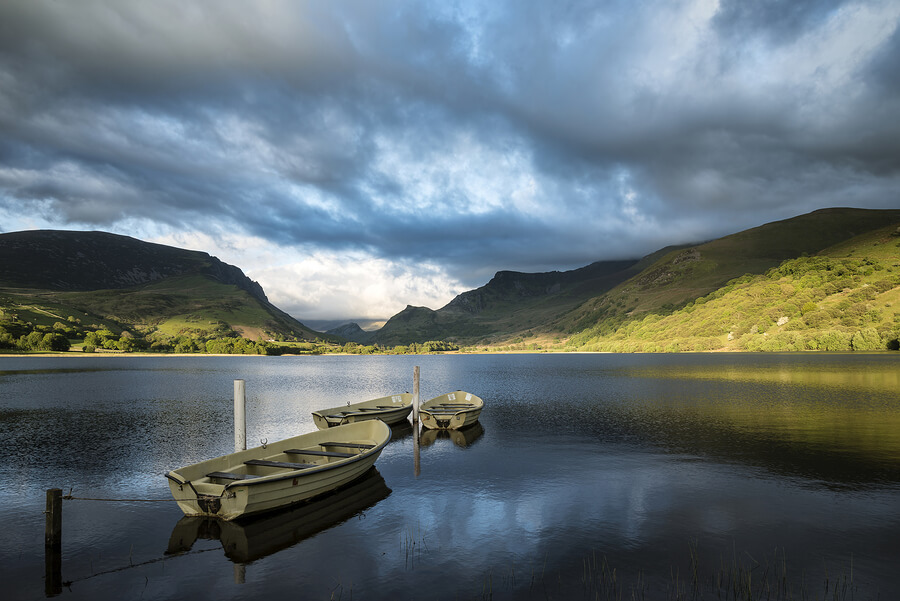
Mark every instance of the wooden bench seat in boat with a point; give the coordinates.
(281, 464)
(349, 445)
(229, 476)
(455, 406)
(319, 453)
(344, 414)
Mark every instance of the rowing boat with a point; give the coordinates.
(389, 409)
(255, 537)
(452, 411)
(278, 474)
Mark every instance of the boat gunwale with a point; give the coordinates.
(436, 408)
(324, 412)
(373, 413)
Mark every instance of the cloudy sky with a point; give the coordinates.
(358, 156)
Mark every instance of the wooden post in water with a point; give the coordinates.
(53, 543)
(240, 419)
(415, 404)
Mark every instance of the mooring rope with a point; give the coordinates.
(69, 583)
(71, 498)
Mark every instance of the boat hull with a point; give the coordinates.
(389, 409)
(451, 411)
(228, 487)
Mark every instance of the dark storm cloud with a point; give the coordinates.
(480, 136)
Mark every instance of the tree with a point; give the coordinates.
(867, 339)
(31, 341)
(55, 342)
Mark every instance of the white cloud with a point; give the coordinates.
(341, 285)
(315, 285)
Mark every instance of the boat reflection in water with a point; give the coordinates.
(253, 538)
(463, 437)
(401, 430)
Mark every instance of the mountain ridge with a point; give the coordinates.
(80, 261)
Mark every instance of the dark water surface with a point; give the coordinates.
(681, 473)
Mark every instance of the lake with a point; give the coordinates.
(589, 476)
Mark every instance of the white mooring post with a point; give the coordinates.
(240, 417)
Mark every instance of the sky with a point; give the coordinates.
(355, 157)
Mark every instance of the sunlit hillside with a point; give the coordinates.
(844, 298)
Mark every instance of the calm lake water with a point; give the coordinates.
(679, 474)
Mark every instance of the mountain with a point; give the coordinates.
(510, 302)
(352, 332)
(81, 261)
(556, 305)
(124, 283)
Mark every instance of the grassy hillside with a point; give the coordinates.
(183, 303)
(685, 274)
(181, 310)
(846, 297)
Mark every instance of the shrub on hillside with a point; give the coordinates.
(867, 339)
(832, 340)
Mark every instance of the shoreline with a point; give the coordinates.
(74, 354)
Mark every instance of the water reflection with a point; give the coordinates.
(463, 437)
(247, 540)
(621, 456)
(836, 446)
(401, 430)
(868, 377)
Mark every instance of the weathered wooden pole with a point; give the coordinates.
(53, 543)
(240, 416)
(415, 404)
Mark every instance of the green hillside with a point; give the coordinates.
(846, 297)
(102, 290)
(685, 274)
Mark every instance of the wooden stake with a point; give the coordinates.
(53, 525)
(240, 418)
(53, 543)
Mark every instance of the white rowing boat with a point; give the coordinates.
(278, 474)
(452, 411)
(389, 409)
